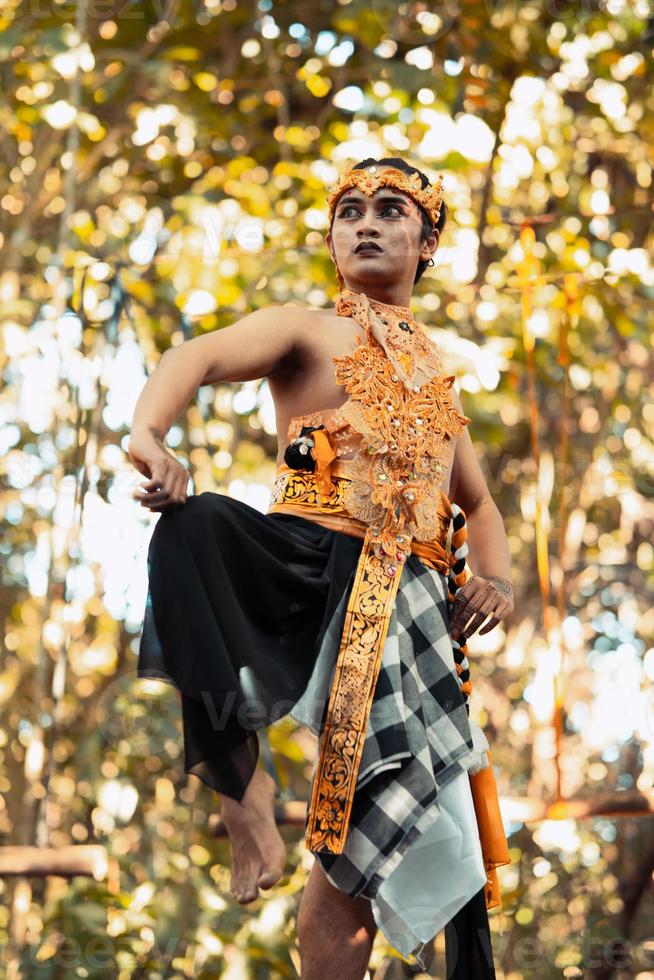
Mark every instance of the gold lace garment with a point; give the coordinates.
(397, 423)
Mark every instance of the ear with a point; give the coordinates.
(330, 247)
(429, 246)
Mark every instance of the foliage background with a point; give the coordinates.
(163, 171)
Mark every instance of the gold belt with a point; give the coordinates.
(367, 618)
(296, 492)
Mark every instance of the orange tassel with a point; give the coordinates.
(323, 454)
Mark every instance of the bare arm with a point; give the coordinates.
(490, 557)
(256, 346)
(253, 347)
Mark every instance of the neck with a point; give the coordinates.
(391, 296)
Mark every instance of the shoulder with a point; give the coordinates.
(288, 313)
(455, 398)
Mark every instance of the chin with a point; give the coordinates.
(376, 277)
(373, 272)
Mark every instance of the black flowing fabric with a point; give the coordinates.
(237, 605)
(468, 950)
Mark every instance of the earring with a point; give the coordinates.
(431, 260)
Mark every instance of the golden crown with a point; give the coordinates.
(372, 178)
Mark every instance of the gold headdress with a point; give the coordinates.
(372, 178)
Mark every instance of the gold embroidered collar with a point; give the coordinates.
(401, 404)
(413, 355)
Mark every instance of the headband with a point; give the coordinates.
(371, 179)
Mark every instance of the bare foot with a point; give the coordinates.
(257, 849)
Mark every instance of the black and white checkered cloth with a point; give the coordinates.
(419, 735)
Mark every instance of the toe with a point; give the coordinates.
(268, 877)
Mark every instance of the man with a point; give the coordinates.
(334, 605)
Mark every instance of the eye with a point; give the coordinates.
(352, 207)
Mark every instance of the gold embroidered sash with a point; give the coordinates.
(367, 617)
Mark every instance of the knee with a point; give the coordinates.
(206, 509)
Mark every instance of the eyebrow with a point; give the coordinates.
(349, 199)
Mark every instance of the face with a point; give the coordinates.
(378, 239)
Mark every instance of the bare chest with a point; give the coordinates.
(309, 385)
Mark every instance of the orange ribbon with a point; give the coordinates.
(323, 454)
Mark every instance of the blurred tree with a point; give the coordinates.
(163, 169)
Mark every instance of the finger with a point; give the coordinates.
(459, 634)
(152, 495)
(145, 488)
(476, 622)
(497, 606)
(173, 504)
(467, 590)
(461, 613)
(458, 628)
(182, 494)
(490, 625)
(167, 505)
(486, 605)
(141, 466)
(479, 606)
(461, 598)
(156, 498)
(503, 607)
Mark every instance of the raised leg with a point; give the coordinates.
(257, 849)
(335, 932)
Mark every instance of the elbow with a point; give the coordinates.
(188, 360)
(170, 352)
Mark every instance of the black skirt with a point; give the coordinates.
(237, 605)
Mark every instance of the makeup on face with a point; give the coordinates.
(383, 199)
(371, 248)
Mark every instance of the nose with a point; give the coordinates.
(367, 223)
(368, 227)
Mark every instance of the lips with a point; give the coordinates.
(367, 247)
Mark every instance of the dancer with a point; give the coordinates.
(348, 604)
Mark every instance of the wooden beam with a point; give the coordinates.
(627, 804)
(90, 860)
(514, 808)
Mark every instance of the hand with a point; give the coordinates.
(478, 598)
(167, 487)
